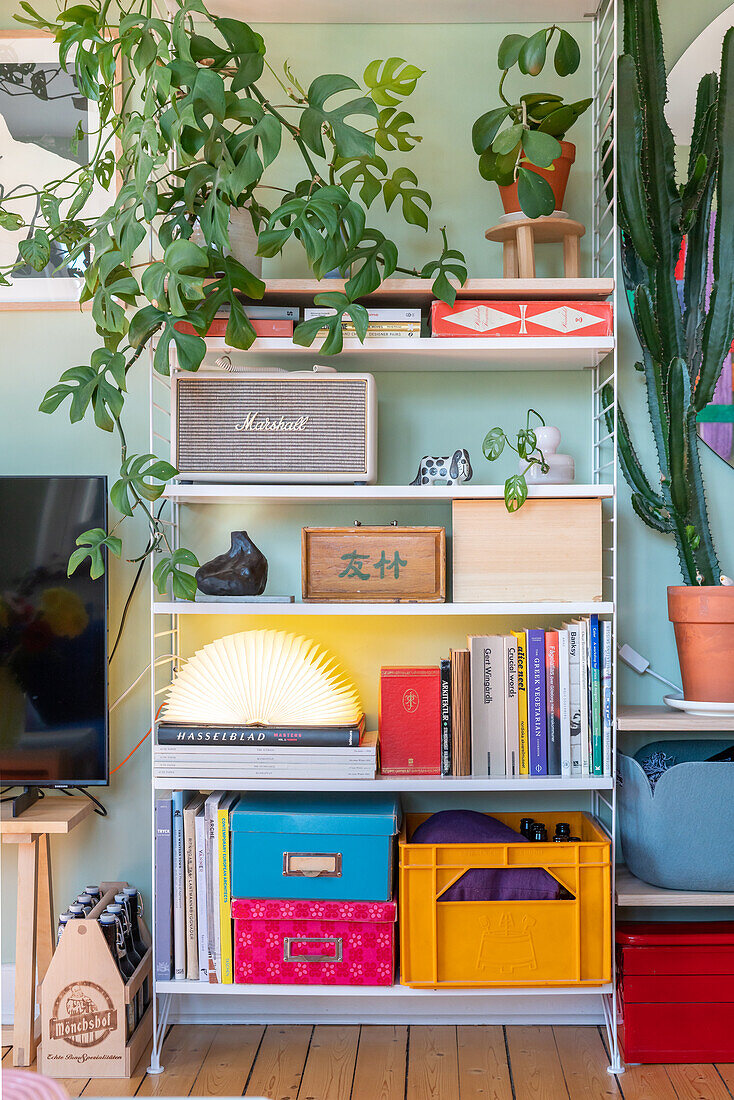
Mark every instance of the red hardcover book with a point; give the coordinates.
(532, 318)
(410, 721)
(262, 327)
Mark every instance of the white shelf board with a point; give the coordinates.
(414, 292)
(426, 354)
(189, 607)
(632, 891)
(210, 493)
(380, 991)
(405, 784)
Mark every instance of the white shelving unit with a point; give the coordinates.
(211, 493)
(529, 353)
(207, 607)
(594, 354)
(387, 783)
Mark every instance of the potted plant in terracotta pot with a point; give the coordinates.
(684, 337)
(520, 145)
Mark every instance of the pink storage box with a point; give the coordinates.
(314, 942)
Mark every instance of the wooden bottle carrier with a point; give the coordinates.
(85, 999)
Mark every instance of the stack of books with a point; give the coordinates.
(383, 323)
(259, 752)
(193, 926)
(529, 703)
(267, 321)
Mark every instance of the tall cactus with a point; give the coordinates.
(684, 343)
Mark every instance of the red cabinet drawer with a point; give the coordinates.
(678, 1032)
(677, 960)
(669, 988)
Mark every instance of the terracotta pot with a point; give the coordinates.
(703, 619)
(557, 177)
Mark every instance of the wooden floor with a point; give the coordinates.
(402, 1063)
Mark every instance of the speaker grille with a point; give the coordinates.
(333, 436)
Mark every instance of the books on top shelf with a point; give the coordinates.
(529, 703)
(382, 323)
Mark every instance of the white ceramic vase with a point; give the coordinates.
(561, 467)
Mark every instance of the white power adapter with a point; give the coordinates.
(641, 665)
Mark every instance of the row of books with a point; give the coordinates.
(541, 701)
(193, 934)
(533, 702)
(280, 321)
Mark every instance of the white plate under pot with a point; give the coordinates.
(700, 708)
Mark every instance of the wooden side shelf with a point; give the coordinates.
(632, 891)
(664, 720)
(419, 291)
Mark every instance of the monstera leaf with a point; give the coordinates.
(391, 80)
(183, 585)
(91, 545)
(403, 185)
(349, 141)
(369, 172)
(307, 331)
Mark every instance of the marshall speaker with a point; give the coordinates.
(275, 426)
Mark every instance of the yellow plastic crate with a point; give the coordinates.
(506, 943)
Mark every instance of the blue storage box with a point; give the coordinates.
(323, 847)
(679, 834)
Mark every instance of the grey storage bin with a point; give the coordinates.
(681, 834)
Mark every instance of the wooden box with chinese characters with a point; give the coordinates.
(373, 564)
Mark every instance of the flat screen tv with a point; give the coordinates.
(53, 635)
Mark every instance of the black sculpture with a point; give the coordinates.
(242, 571)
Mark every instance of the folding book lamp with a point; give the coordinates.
(265, 678)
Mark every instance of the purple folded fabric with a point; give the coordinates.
(485, 884)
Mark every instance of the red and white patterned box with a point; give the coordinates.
(314, 942)
(532, 318)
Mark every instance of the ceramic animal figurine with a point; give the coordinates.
(447, 469)
(242, 571)
(561, 467)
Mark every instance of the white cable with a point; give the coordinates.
(136, 681)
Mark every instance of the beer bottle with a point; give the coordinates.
(540, 834)
(563, 829)
(76, 911)
(64, 919)
(109, 925)
(86, 902)
(132, 901)
(526, 825)
(123, 961)
(134, 910)
(132, 952)
(94, 893)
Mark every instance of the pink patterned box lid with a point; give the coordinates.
(273, 909)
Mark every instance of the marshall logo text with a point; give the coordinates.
(254, 422)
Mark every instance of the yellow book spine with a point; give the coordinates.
(522, 700)
(225, 901)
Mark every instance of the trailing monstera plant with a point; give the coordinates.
(193, 133)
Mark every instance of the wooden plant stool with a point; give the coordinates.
(35, 937)
(519, 237)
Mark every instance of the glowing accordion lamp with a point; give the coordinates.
(263, 678)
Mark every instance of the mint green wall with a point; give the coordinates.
(416, 412)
